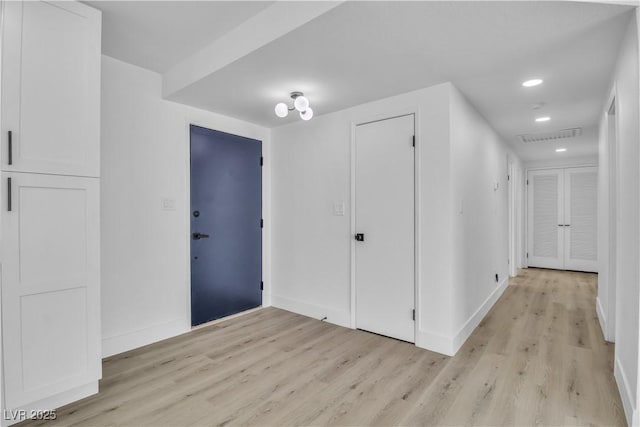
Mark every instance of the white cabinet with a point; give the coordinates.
(50, 285)
(562, 220)
(50, 88)
(50, 208)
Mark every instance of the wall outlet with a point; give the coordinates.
(339, 209)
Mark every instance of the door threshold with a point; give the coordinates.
(223, 319)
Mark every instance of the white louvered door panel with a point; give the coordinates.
(545, 242)
(580, 215)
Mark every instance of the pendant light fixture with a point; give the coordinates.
(300, 103)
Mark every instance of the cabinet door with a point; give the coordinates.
(51, 88)
(50, 285)
(545, 222)
(580, 219)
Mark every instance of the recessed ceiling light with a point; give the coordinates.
(543, 119)
(560, 150)
(532, 82)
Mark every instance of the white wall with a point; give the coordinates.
(627, 92)
(563, 162)
(480, 215)
(311, 248)
(145, 158)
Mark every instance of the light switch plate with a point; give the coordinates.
(338, 209)
(168, 204)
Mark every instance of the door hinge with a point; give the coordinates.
(413, 314)
(414, 141)
(262, 286)
(261, 161)
(527, 182)
(261, 223)
(527, 254)
(508, 177)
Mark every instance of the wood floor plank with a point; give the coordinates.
(537, 358)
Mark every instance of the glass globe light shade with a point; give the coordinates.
(307, 114)
(281, 109)
(301, 103)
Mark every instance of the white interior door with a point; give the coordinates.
(580, 219)
(50, 285)
(384, 215)
(545, 219)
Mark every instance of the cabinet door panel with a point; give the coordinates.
(51, 88)
(50, 285)
(54, 334)
(64, 222)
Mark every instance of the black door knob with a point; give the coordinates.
(198, 236)
(360, 237)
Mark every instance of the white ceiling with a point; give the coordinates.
(157, 34)
(362, 51)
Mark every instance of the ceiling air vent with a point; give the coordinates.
(550, 136)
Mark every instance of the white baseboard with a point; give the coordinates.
(602, 319)
(266, 299)
(449, 346)
(434, 342)
(134, 339)
(424, 339)
(472, 323)
(337, 317)
(14, 415)
(630, 411)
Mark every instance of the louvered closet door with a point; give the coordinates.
(545, 242)
(580, 214)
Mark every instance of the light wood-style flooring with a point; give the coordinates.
(537, 358)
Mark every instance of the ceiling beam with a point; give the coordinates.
(270, 24)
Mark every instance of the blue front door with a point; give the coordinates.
(226, 224)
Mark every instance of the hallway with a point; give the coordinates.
(537, 358)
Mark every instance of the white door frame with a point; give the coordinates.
(511, 206)
(520, 223)
(352, 200)
(612, 209)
